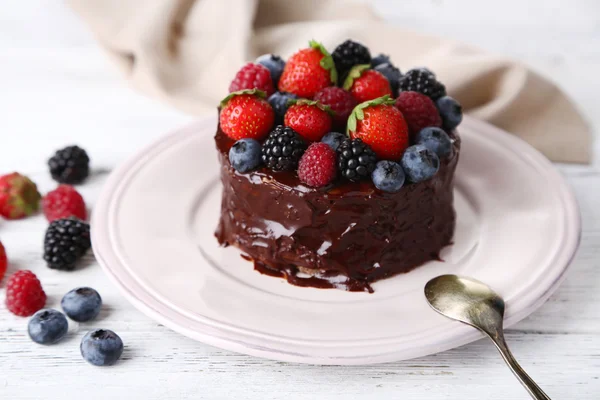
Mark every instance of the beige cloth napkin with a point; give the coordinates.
(187, 52)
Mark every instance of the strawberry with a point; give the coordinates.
(246, 114)
(19, 196)
(309, 118)
(380, 125)
(3, 261)
(366, 84)
(308, 71)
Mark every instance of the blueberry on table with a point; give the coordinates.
(419, 163)
(101, 347)
(82, 304)
(436, 140)
(244, 155)
(388, 176)
(47, 326)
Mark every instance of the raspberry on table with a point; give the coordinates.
(418, 110)
(422, 80)
(24, 294)
(282, 149)
(66, 241)
(341, 103)
(70, 165)
(253, 76)
(63, 202)
(356, 160)
(317, 167)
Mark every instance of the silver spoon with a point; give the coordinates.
(474, 303)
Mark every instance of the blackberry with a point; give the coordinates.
(66, 241)
(349, 54)
(282, 149)
(69, 165)
(356, 160)
(423, 81)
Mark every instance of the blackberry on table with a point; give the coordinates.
(282, 149)
(423, 81)
(349, 54)
(356, 160)
(70, 165)
(66, 241)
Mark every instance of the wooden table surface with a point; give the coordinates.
(57, 88)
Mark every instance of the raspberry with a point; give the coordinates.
(317, 167)
(418, 110)
(340, 101)
(423, 81)
(19, 196)
(24, 294)
(66, 241)
(63, 202)
(253, 76)
(3, 261)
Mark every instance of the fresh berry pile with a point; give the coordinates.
(339, 116)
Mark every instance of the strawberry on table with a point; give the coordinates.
(308, 71)
(380, 125)
(309, 118)
(366, 84)
(253, 76)
(246, 114)
(19, 196)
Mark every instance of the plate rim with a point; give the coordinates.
(213, 336)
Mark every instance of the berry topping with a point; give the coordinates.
(24, 294)
(392, 74)
(3, 261)
(63, 202)
(280, 102)
(309, 118)
(253, 76)
(388, 176)
(308, 71)
(317, 167)
(66, 241)
(451, 112)
(419, 163)
(70, 165)
(101, 347)
(274, 64)
(366, 84)
(380, 59)
(244, 155)
(19, 196)
(82, 304)
(379, 124)
(282, 149)
(334, 139)
(340, 101)
(356, 160)
(418, 110)
(436, 140)
(246, 114)
(349, 54)
(47, 326)
(422, 80)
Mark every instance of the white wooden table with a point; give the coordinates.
(57, 88)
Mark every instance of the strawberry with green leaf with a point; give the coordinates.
(311, 119)
(246, 114)
(366, 84)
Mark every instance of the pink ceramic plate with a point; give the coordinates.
(518, 229)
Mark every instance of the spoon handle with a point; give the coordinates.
(534, 390)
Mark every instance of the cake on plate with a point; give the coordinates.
(337, 169)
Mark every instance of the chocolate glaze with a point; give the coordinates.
(345, 235)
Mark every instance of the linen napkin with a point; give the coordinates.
(187, 51)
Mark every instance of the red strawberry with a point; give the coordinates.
(24, 294)
(380, 125)
(418, 110)
(19, 196)
(366, 84)
(253, 76)
(309, 118)
(318, 165)
(64, 202)
(246, 114)
(340, 101)
(3, 261)
(308, 71)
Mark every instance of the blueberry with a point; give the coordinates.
(81, 304)
(450, 111)
(380, 59)
(392, 74)
(279, 102)
(274, 64)
(244, 155)
(47, 326)
(101, 347)
(419, 163)
(436, 140)
(388, 176)
(334, 139)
